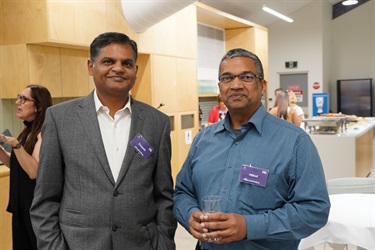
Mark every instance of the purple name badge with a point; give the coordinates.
(141, 146)
(253, 175)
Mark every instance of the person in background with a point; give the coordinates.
(218, 112)
(282, 109)
(293, 105)
(277, 91)
(266, 171)
(104, 178)
(23, 161)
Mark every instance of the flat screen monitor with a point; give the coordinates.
(354, 97)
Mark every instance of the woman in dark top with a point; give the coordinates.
(23, 160)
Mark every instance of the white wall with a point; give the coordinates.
(353, 47)
(326, 49)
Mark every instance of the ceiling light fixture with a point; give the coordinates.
(275, 13)
(349, 2)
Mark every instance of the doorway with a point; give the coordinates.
(298, 83)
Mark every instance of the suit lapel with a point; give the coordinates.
(135, 128)
(88, 116)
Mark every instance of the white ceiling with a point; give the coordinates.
(251, 10)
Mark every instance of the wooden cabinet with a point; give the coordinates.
(170, 84)
(63, 71)
(14, 73)
(75, 80)
(349, 154)
(5, 217)
(60, 23)
(181, 137)
(174, 36)
(178, 78)
(44, 68)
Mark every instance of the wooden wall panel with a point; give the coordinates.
(77, 22)
(74, 73)
(5, 217)
(168, 37)
(186, 33)
(23, 21)
(183, 147)
(45, 68)
(60, 23)
(186, 85)
(253, 39)
(175, 161)
(364, 149)
(261, 48)
(180, 148)
(178, 78)
(240, 38)
(164, 80)
(14, 75)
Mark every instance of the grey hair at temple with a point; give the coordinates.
(238, 52)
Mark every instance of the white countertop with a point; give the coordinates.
(353, 129)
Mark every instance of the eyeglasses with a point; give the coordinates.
(245, 77)
(23, 99)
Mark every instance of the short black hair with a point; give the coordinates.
(107, 38)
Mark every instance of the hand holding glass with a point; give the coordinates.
(211, 204)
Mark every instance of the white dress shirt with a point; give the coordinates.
(115, 133)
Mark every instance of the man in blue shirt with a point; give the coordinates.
(266, 171)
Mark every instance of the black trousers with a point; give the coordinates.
(22, 232)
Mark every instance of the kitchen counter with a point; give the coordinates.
(5, 217)
(347, 154)
(4, 171)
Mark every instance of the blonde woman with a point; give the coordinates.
(293, 105)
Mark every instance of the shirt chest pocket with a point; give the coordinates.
(254, 197)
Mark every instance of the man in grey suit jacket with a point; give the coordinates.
(104, 179)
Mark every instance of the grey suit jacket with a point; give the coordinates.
(78, 205)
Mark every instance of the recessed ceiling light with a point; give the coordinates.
(275, 13)
(349, 2)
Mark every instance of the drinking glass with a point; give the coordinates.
(211, 204)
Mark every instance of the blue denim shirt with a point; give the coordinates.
(293, 204)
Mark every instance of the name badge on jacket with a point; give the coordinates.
(141, 146)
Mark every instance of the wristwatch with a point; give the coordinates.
(17, 146)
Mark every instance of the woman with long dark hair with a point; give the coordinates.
(23, 161)
(282, 110)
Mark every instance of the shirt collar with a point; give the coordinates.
(98, 103)
(256, 120)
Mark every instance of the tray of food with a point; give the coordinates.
(325, 125)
